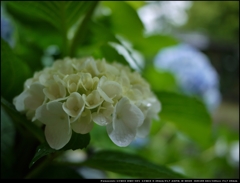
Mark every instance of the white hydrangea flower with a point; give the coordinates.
(74, 94)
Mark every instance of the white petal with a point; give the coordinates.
(30, 99)
(86, 81)
(93, 99)
(126, 119)
(109, 89)
(104, 95)
(54, 90)
(103, 116)
(19, 101)
(129, 114)
(90, 66)
(84, 124)
(58, 136)
(144, 129)
(122, 136)
(74, 105)
(51, 113)
(101, 119)
(57, 130)
(155, 108)
(36, 96)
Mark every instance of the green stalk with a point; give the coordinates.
(81, 30)
(64, 29)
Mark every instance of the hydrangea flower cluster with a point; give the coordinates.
(6, 29)
(73, 94)
(193, 72)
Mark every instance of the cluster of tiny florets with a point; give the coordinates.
(73, 94)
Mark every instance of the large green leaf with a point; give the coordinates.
(61, 14)
(129, 164)
(125, 20)
(58, 18)
(189, 115)
(13, 72)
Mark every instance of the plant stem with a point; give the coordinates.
(64, 29)
(81, 30)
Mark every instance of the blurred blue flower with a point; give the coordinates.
(6, 29)
(193, 72)
(139, 143)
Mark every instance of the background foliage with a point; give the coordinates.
(183, 143)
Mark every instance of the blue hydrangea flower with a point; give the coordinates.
(6, 29)
(193, 72)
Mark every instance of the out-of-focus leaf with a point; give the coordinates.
(61, 14)
(152, 44)
(7, 142)
(136, 4)
(224, 131)
(13, 72)
(101, 34)
(125, 20)
(58, 172)
(7, 132)
(189, 115)
(103, 43)
(111, 55)
(21, 120)
(128, 164)
(77, 141)
(38, 33)
(159, 80)
(50, 18)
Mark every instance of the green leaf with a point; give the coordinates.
(57, 172)
(159, 80)
(125, 20)
(112, 55)
(14, 72)
(152, 44)
(61, 14)
(77, 141)
(103, 43)
(188, 114)
(58, 17)
(7, 143)
(136, 4)
(42, 150)
(129, 164)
